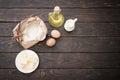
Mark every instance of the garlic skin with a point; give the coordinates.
(51, 42)
(55, 34)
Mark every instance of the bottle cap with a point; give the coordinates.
(57, 9)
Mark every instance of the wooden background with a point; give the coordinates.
(90, 52)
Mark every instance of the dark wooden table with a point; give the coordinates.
(90, 52)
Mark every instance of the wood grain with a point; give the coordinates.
(62, 74)
(62, 3)
(90, 52)
(67, 60)
(82, 29)
(67, 44)
(83, 15)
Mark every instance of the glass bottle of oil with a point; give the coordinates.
(56, 19)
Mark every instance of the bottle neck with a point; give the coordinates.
(56, 15)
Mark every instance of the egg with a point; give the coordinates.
(55, 34)
(51, 42)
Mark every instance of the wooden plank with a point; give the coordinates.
(63, 3)
(68, 61)
(67, 44)
(62, 74)
(82, 29)
(83, 15)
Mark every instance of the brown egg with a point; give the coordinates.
(51, 42)
(55, 34)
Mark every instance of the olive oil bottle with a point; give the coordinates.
(56, 19)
